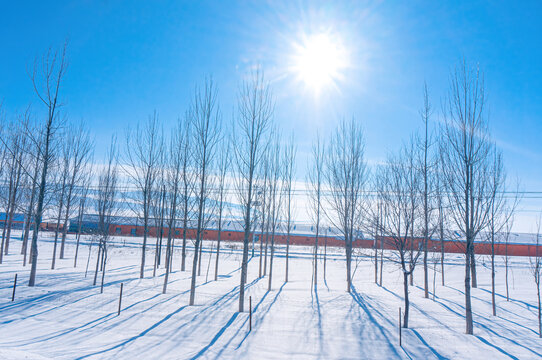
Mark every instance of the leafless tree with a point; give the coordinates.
(14, 172)
(536, 270)
(373, 222)
(47, 77)
(205, 122)
(506, 240)
(500, 213)
(143, 151)
(223, 167)
(83, 203)
(427, 171)
(188, 182)
(465, 153)
(60, 189)
(34, 163)
(106, 207)
(288, 173)
(315, 183)
(158, 203)
(402, 207)
(441, 217)
(255, 110)
(263, 194)
(275, 197)
(346, 175)
(173, 178)
(77, 151)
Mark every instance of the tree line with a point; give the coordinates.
(446, 181)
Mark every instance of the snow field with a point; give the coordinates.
(65, 317)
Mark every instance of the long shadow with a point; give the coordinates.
(105, 318)
(485, 327)
(369, 312)
(435, 352)
(217, 336)
(512, 300)
(320, 329)
(496, 347)
(258, 320)
(256, 323)
(133, 338)
(226, 297)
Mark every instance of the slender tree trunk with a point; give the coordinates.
(348, 264)
(287, 254)
(506, 270)
(493, 305)
(97, 263)
(10, 225)
(468, 306)
(539, 309)
(407, 301)
(271, 256)
(218, 247)
(376, 259)
(381, 259)
(144, 245)
(411, 254)
(316, 259)
(265, 254)
(104, 263)
(4, 226)
(78, 236)
(442, 253)
(325, 256)
(168, 260)
(66, 218)
(183, 251)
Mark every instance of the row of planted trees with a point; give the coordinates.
(447, 177)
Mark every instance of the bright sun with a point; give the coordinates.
(319, 61)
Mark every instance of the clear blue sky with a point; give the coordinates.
(130, 58)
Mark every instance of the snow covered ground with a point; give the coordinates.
(65, 317)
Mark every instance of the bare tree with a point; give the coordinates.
(506, 241)
(427, 167)
(60, 190)
(275, 197)
(106, 207)
(315, 183)
(224, 162)
(375, 218)
(173, 179)
(205, 122)
(158, 203)
(536, 270)
(465, 153)
(143, 150)
(402, 206)
(47, 80)
(442, 223)
(263, 210)
(14, 171)
(500, 213)
(188, 182)
(288, 173)
(255, 110)
(83, 201)
(346, 175)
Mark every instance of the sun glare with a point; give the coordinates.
(319, 61)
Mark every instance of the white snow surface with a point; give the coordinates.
(65, 317)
